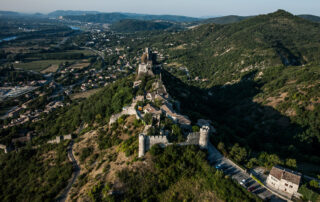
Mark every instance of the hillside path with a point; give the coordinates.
(75, 174)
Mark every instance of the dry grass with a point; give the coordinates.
(80, 65)
(175, 64)
(51, 69)
(88, 140)
(180, 47)
(50, 157)
(40, 65)
(274, 101)
(106, 166)
(291, 112)
(84, 94)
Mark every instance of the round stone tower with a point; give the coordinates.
(204, 136)
(142, 146)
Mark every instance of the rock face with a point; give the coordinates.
(201, 138)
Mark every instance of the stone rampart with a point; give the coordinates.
(5, 148)
(193, 138)
(161, 139)
(129, 111)
(198, 138)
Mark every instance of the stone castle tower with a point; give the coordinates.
(204, 137)
(142, 145)
(148, 60)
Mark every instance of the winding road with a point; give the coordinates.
(75, 174)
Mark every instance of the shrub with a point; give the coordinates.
(85, 152)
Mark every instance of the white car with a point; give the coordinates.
(244, 181)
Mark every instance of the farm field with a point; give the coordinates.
(40, 65)
(84, 94)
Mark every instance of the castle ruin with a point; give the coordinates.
(197, 138)
(148, 61)
(59, 139)
(6, 148)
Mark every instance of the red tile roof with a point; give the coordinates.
(286, 174)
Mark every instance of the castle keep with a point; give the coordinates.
(198, 138)
(147, 65)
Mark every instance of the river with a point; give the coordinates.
(10, 38)
(74, 28)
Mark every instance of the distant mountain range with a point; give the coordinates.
(115, 17)
(101, 17)
(58, 13)
(312, 18)
(8, 13)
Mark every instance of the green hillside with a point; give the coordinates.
(222, 52)
(140, 25)
(312, 18)
(259, 80)
(226, 19)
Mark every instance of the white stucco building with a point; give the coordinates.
(284, 180)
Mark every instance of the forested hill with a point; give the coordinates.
(222, 52)
(225, 19)
(141, 25)
(235, 18)
(258, 79)
(312, 18)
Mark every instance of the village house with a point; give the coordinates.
(177, 118)
(151, 96)
(15, 112)
(137, 83)
(150, 109)
(284, 180)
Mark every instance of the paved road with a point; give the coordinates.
(232, 170)
(76, 172)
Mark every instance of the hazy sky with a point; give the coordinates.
(178, 7)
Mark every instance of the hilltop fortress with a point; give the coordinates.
(198, 138)
(148, 67)
(166, 107)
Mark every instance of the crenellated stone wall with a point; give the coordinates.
(58, 139)
(152, 140)
(129, 111)
(198, 138)
(193, 138)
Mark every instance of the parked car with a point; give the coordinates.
(219, 166)
(250, 189)
(244, 181)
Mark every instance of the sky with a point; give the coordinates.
(195, 8)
